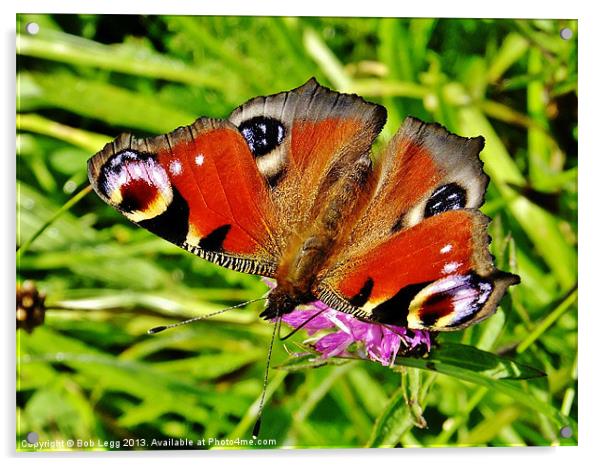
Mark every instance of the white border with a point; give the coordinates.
(590, 107)
(440, 8)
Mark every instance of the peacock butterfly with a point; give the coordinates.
(286, 188)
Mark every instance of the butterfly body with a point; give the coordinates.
(286, 188)
(309, 251)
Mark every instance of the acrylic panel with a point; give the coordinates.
(422, 284)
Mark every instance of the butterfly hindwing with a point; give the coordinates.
(436, 275)
(197, 187)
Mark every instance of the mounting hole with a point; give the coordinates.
(32, 28)
(566, 33)
(566, 432)
(32, 437)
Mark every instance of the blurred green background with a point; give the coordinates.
(91, 371)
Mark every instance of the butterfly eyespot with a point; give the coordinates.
(449, 302)
(137, 184)
(451, 196)
(263, 134)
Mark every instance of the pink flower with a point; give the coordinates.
(372, 341)
(348, 336)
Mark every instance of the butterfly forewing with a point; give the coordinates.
(197, 187)
(304, 141)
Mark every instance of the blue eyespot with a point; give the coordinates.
(263, 134)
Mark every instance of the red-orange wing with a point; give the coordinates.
(436, 275)
(305, 141)
(198, 187)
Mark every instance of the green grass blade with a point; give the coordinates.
(393, 422)
(488, 370)
(326, 60)
(546, 323)
(464, 357)
(111, 104)
(24, 247)
(87, 140)
(123, 58)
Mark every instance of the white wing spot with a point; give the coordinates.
(175, 167)
(445, 249)
(199, 159)
(451, 267)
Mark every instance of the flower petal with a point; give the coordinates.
(333, 344)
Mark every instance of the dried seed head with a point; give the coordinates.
(30, 306)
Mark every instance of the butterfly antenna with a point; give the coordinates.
(303, 324)
(160, 328)
(257, 425)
